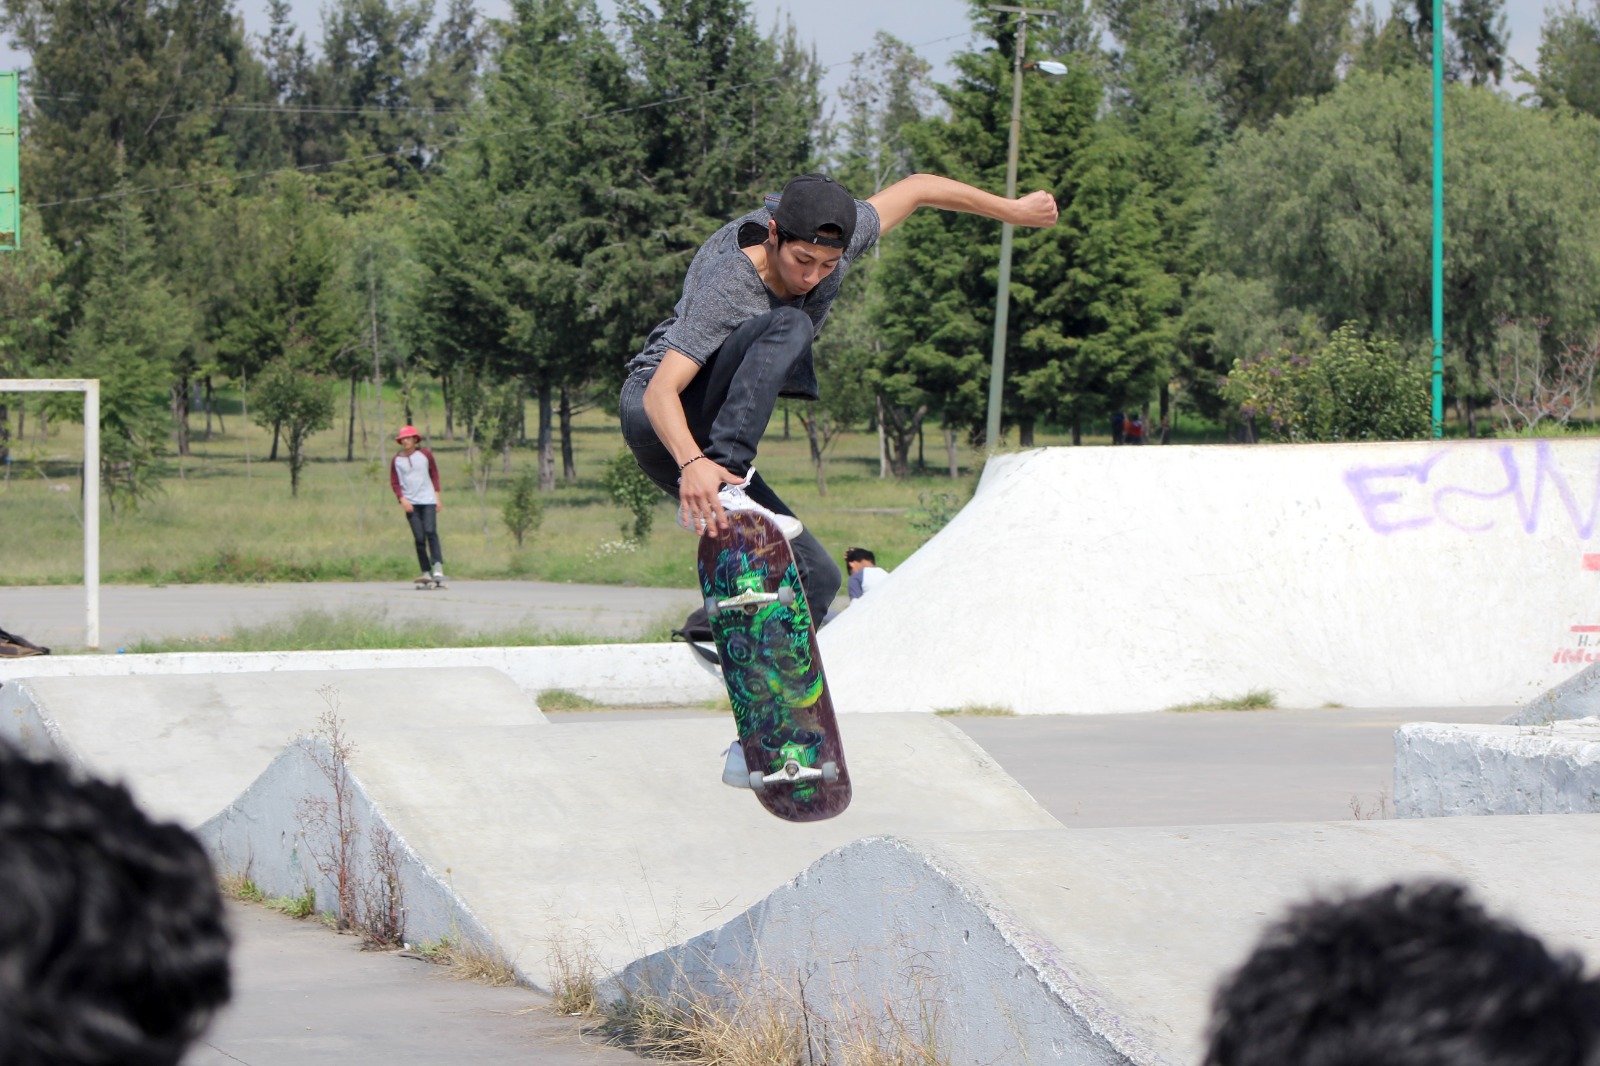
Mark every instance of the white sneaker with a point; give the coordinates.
(734, 498)
(734, 772)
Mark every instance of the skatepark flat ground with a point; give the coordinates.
(306, 995)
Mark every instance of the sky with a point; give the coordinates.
(841, 28)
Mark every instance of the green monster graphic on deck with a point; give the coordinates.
(769, 669)
(767, 649)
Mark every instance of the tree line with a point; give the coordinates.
(503, 209)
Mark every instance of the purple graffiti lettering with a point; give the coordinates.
(1371, 499)
(1508, 462)
(1545, 469)
(1388, 507)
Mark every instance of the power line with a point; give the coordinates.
(439, 146)
(413, 149)
(251, 107)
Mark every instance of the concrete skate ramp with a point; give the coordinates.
(1093, 946)
(188, 745)
(1576, 697)
(612, 839)
(1094, 580)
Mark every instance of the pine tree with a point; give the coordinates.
(131, 331)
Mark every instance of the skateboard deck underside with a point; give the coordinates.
(773, 672)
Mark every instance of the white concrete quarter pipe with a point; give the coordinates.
(1101, 580)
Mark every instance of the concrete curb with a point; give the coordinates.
(1444, 770)
(606, 673)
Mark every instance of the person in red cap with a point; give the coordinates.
(698, 398)
(414, 476)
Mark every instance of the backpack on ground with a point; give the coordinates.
(696, 632)
(15, 647)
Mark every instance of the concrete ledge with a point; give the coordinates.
(1497, 769)
(606, 673)
(1091, 946)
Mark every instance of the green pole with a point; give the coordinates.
(10, 183)
(1438, 219)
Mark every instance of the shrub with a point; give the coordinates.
(631, 490)
(524, 508)
(1351, 389)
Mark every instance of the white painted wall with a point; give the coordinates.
(1103, 580)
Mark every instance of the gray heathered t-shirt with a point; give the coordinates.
(723, 290)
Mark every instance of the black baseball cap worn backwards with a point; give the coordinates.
(812, 202)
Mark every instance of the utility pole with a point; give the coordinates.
(1002, 301)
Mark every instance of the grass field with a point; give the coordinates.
(225, 514)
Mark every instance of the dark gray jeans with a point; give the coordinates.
(728, 405)
(424, 519)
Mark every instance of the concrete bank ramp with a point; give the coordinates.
(1094, 580)
(608, 839)
(188, 745)
(1090, 946)
(1576, 697)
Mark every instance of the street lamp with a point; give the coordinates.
(1002, 299)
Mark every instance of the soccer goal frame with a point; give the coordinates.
(90, 387)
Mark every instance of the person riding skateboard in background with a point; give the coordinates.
(697, 399)
(414, 476)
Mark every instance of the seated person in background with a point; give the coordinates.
(112, 946)
(864, 571)
(1410, 975)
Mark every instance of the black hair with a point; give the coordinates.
(853, 554)
(112, 943)
(1409, 975)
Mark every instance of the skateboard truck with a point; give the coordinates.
(793, 773)
(750, 602)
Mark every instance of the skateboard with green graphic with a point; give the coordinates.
(768, 646)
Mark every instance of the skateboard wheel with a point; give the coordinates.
(713, 608)
(758, 780)
(830, 773)
(786, 595)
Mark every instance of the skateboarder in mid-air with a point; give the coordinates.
(414, 477)
(698, 398)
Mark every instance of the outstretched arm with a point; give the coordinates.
(896, 203)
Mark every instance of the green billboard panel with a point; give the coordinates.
(10, 179)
